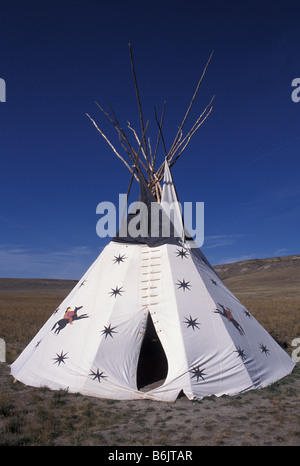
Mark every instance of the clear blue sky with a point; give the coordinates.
(58, 57)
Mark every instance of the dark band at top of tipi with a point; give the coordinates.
(142, 161)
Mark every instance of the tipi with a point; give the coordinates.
(92, 342)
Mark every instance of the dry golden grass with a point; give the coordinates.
(280, 317)
(21, 316)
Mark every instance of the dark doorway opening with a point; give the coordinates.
(153, 365)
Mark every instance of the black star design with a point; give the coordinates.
(60, 358)
(119, 259)
(82, 284)
(241, 353)
(197, 372)
(213, 281)
(116, 292)
(264, 349)
(183, 284)
(247, 313)
(191, 323)
(56, 311)
(182, 253)
(97, 375)
(108, 331)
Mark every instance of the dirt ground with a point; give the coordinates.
(267, 417)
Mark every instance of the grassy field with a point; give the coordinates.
(32, 416)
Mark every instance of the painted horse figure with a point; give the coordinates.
(67, 320)
(227, 314)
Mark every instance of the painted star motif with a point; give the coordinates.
(241, 353)
(82, 284)
(264, 349)
(97, 375)
(182, 253)
(183, 284)
(108, 331)
(197, 372)
(119, 259)
(213, 281)
(247, 313)
(60, 358)
(191, 322)
(115, 292)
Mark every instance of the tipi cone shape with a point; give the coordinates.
(92, 342)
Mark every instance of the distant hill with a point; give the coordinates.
(268, 278)
(256, 265)
(35, 285)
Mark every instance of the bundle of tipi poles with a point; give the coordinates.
(142, 161)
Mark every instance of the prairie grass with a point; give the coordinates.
(280, 317)
(21, 316)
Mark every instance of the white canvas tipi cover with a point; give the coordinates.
(91, 343)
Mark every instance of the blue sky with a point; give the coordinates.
(58, 57)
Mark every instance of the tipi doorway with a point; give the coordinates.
(152, 365)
